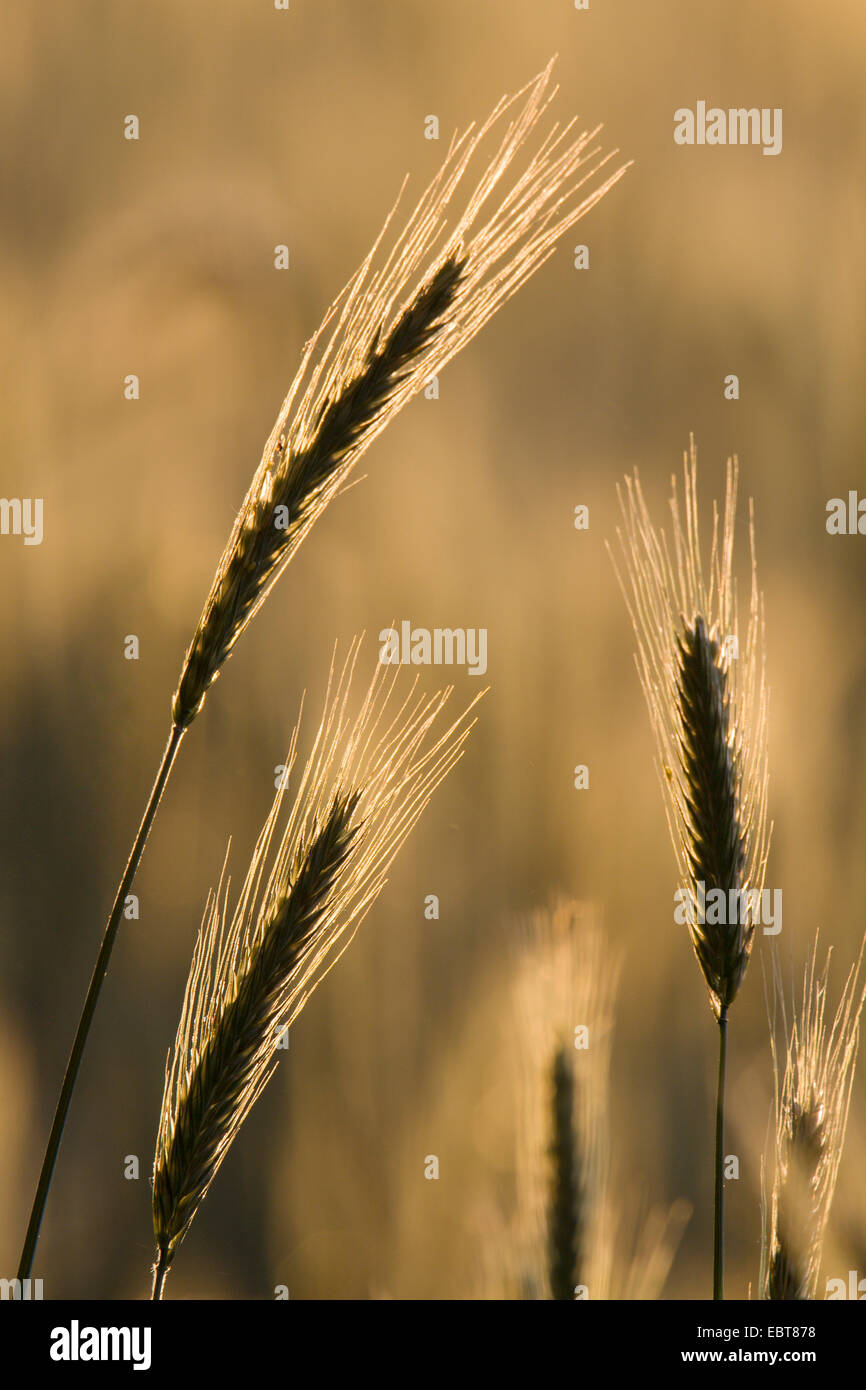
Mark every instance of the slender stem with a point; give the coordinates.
(99, 972)
(719, 1221)
(159, 1274)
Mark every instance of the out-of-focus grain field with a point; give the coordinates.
(156, 258)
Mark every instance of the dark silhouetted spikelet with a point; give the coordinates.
(564, 1212)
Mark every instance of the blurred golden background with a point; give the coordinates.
(156, 257)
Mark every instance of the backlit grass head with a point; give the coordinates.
(490, 217)
(813, 1095)
(307, 889)
(705, 689)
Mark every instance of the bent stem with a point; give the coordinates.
(719, 1221)
(99, 973)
